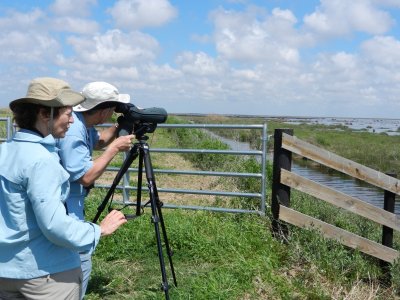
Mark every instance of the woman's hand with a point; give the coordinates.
(112, 222)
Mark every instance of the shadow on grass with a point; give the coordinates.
(98, 285)
(99, 288)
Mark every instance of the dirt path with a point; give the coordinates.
(172, 161)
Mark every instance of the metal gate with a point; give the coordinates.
(7, 130)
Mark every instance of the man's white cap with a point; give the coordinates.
(99, 92)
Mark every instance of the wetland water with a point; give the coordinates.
(388, 126)
(325, 176)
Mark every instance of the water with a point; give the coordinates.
(325, 176)
(388, 126)
(342, 183)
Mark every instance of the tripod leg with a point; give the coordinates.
(164, 231)
(139, 184)
(133, 153)
(156, 218)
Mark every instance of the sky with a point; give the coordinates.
(327, 58)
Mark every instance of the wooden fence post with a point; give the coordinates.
(280, 192)
(387, 232)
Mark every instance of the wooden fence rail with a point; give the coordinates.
(284, 180)
(344, 237)
(340, 164)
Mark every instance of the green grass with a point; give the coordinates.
(216, 256)
(227, 256)
(235, 256)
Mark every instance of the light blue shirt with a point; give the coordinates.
(37, 237)
(76, 150)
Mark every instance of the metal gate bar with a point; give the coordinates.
(126, 188)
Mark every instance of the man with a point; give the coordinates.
(77, 147)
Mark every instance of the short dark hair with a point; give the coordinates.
(103, 105)
(25, 114)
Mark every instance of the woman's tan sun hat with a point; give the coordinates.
(50, 92)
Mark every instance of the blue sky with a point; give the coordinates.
(335, 58)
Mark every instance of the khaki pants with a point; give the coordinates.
(63, 285)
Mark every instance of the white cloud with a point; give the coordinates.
(345, 80)
(339, 72)
(284, 15)
(261, 65)
(281, 28)
(257, 37)
(382, 50)
(387, 3)
(115, 48)
(75, 25)
(342, 17)
(246, 74)
(15, 20)
(72, 7)
(137, 14)
(27, 47)
(199, 64)
(162, 73)
(202, 39)
(117, 75)
(345, 61)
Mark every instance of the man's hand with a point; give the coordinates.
(123, 143)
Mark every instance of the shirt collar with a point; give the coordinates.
(80, 117)
(25, 135)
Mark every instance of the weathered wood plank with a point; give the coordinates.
(341, 164)
(280, 193)
(340, 199)
(344, 237)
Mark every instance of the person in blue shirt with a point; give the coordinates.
(39, 241)
(76, 149)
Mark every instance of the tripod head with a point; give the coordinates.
(139, 121)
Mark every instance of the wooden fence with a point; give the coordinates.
(283, 180)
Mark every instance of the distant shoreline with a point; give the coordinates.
(279, 117)
(272, 117)
(372, 125)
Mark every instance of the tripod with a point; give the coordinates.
(142, 150)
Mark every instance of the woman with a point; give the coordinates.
(39, 242)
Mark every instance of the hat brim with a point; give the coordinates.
(122, 98)
(64, 98)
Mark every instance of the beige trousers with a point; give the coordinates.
(63, 285)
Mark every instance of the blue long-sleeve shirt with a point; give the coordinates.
(37, 237)
(76, 150)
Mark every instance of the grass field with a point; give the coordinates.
(235, 256)
(226, 256)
